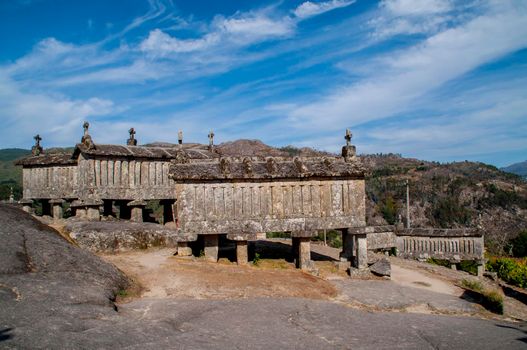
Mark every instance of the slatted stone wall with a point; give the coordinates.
(125, 178)
(252, 207)
(50, 182)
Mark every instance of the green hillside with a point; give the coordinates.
(11, 175)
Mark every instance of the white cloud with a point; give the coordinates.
(401, 79)
(237, 31)
(309, 9)
(160, 43)
(416, 7)
(55, 117)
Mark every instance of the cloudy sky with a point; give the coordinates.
(441, 80)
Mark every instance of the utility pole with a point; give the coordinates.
(407, 204)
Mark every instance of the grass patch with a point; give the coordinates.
(438, 262)
(491, 299)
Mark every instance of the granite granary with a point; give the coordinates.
(207, 193)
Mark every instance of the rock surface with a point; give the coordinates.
(47, 283)
(118, 236)
(381, 267)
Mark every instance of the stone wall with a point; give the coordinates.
(446, 247)
(266, 206)
(116, 178)
(55, 181)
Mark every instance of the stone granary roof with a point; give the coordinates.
(47, 159)
(270, 168)
(193, 151)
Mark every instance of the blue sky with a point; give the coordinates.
(440, 80)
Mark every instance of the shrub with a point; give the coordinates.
(256, 259)
(389, 209)
(509, 270)
(448, 211)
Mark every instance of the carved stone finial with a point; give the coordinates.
(348, 150)
(248, 166)
(211, 140)
(86, 138)
(37, 148)
(300, 166)
(131, 140)
(272, 166)
(181, 157)
(225, 165)
(328, 162)
(180, 137)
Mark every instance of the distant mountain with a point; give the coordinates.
(517, 168)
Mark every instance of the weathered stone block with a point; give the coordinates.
(381, 267)
(183, 249)
(242, 255)
(361, 255)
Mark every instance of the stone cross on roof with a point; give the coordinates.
(180, 137)
(37, 139)
(37, 148)
(211, 138)
(86, 138)
(131, 141)
(348, 137)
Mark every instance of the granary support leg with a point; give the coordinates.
(304, 253)
(481, 268)
(58, 211)
(242, 255)
(93, 209)
(137, 207)
(361, 254)
(211, 248)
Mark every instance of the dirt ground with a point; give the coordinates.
(160, 274)
(414, 287)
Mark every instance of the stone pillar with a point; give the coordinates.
(481, 268)
(453, 266)
(168, 215)
(183, 249)
(107, 207)
(242, 255)
(137, 207)
(27, 205)
(211, 247)
(361, 252)
(58, 211)
(78, 209)
(304, 253)
(93, 211)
